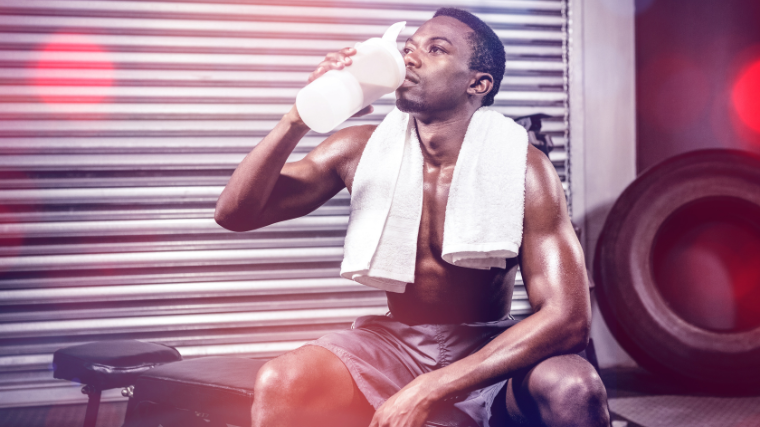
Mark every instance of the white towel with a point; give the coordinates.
(484, 212)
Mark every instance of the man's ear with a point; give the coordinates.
(480, 85)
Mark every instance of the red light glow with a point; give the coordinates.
(704, 261)
(674, 92)
(72, 51)
(745, 96)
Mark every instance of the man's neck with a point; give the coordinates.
(441, 137)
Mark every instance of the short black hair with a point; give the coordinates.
(487, 51)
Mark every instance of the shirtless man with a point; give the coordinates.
(547, 383)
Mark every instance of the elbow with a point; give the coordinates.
(580, 336)
(226, 217)
(222, 217)
(577, 333)
(571, 330)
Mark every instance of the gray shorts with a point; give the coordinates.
(383, 355)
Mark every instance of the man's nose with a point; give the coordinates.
(411, 59)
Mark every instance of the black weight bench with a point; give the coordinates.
(209, 391)
(109, 364)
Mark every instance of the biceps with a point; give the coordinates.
(301, 188)
(553, 269)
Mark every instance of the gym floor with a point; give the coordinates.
(637, 399)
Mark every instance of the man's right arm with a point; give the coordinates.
(264, 189)
(243, 202)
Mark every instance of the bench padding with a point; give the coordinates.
(110, 364)
(221, 386)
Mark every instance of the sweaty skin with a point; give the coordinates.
(441, 93)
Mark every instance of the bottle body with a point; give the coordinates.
(329, 100)
(339, 94)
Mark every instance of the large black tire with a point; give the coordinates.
(680, 190)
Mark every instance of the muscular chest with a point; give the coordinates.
(436, 185)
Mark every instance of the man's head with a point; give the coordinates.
(487, 51)
(452, 59)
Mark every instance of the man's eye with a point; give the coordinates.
(435, 49)
(405, 50)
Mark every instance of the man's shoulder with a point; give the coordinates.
(342, 151)
(542, 184)
(538, 166)
(357, 135)
(348, 142)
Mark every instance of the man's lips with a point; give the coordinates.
(410, 80)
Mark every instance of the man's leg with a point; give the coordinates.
(560, 391)
(309, 386)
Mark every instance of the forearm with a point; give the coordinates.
(544, 334)
(555, 277)
(249, 188)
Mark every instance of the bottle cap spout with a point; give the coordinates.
(391, 34)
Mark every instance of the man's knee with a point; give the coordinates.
(579, 396)
(274, 380)
(307, 386)
(288, 378)
(570, 391)
(303, 377)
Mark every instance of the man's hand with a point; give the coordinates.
(337, 61)
(410, 407)
(264, 189)
(333, 61)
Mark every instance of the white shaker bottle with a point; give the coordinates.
(376, 69)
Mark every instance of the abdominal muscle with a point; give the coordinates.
(444, 293)
(448, 294)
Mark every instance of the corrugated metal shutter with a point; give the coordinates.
(121, 121)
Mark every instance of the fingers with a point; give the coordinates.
(343, 55)
(333, 61)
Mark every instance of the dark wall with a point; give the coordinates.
(696, 86)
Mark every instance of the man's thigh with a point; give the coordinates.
(556, 390)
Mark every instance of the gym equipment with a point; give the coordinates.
(108, 364)
(677, 271)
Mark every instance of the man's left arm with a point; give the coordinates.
(554, 273)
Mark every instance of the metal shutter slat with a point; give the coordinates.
(226, 27)
(176, 290)
(89, 77)
(152, 227)
(235, 11)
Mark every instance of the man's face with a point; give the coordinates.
(437, 70)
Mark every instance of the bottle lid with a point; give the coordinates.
(389, 39)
